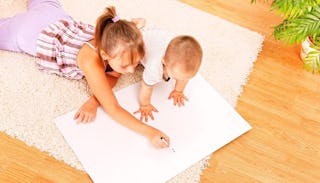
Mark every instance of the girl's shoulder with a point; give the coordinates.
(88, 57)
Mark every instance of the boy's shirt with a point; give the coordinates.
(156, 42)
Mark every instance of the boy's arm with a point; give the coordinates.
(180, 85)
(146, 108)
(177, 94)
(145, 94)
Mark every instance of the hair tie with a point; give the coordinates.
(115, 19)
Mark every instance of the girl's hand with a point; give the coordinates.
(146, 111)
(86, 113)
(155, 138)
(178, 97)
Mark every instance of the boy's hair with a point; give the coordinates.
(185, 52)
(118, 37)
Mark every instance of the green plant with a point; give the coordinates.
(301, 21)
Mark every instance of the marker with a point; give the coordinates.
(164, 141)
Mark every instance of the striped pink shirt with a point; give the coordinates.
(58, 46)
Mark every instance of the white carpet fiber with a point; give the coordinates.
(30, 99)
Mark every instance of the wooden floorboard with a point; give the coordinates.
(280, 101)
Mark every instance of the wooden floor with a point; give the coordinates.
(281, 101)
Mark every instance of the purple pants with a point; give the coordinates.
(20, 32)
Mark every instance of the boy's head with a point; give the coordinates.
(183, 57)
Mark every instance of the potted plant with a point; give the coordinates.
(301, 24)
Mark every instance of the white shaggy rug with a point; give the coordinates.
(30, 99)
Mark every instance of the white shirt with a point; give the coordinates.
(156, 42)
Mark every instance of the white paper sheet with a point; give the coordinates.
(111, 153)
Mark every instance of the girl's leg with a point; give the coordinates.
(20, 33)
(36, 3)
(8, 35)
(41, 13)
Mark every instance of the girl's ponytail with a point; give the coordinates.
(118, 37)
(102, 21)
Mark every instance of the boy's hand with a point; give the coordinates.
(146, 111)
(178, 98)
(155, 138)
(86, 113)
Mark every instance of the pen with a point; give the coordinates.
(164, 141)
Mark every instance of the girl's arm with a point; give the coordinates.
(87, 112)
(93, 70)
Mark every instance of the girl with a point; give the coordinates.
(75, 50)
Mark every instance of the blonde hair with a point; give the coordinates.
(185, 52)
(118, 37)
